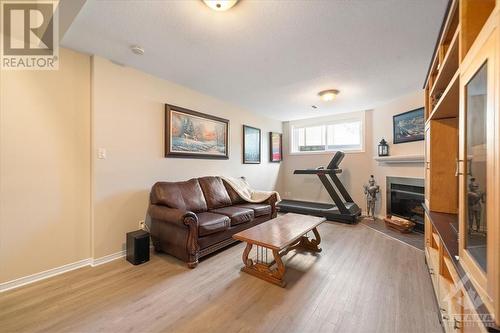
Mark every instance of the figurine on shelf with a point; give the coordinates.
(475, 199)
(371, 191)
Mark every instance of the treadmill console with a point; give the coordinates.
(336, 159)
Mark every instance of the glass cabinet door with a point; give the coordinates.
(476, 166)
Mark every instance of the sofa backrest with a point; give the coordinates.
(186, 195)
(215, 193)
(235, 197)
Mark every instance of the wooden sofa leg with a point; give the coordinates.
(192, 264)
(156, 244)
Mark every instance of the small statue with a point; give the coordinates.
(371, 191)
(475, 200)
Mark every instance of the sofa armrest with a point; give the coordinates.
(171, 215)
(272, 200)
(175, 231)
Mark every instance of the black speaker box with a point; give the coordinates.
(138, 247)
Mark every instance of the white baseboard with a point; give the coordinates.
(108, 258)
(60, 270)
(43, 275)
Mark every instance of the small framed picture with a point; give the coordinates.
(251, 145)
(275, 147)
(409, 126)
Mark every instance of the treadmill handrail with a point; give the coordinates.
(316, 171)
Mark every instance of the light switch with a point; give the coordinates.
(101, 153)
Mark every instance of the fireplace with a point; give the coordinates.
(405, 197)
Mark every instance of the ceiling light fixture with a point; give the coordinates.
(220, 5)
(136, 49)
(328, 95)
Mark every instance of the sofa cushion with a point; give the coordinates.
(215, 193)
(181, 195)
(237, 215)
(259, 209)
(210, 223)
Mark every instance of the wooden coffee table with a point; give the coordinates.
(279, 235)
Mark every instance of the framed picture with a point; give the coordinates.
(191, 134)
(275, 148)
(251, 145)
(409, 126)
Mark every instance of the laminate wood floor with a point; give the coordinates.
(363, 281)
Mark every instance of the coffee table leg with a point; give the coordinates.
(311, 244)
(279, 272)
(247, 262)
(267, 272)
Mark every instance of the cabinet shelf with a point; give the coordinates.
(448, 67)
(448, 105)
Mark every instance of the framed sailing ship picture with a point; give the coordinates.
(409, 126)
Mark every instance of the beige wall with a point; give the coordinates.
(382, 127)
(128, 121)
(44, 167)
(49, 216)
(357, 167)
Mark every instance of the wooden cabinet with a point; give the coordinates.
(462, 167)
(479, 141)
(441, 161)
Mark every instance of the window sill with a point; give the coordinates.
(324, 152)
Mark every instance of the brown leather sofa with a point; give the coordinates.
(197, 217)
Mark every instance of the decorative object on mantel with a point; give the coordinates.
(409, 126)
(371, 191)
(383, 148)
(416, 158)
(402, 225)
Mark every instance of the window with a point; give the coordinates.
(327, 135)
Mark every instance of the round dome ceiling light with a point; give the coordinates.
(328, 95)
(136, 49)
(220, 5)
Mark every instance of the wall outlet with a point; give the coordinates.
(288, 194)
(101, 153)
(141, 224)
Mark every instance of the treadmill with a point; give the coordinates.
(343, 209)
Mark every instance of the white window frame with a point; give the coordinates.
(325, 121)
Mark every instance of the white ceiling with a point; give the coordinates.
(271, 57)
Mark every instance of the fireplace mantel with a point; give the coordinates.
(417, 158)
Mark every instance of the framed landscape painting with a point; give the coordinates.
(409, 126)
(251, 145)
(275, 149)
(191, 134)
